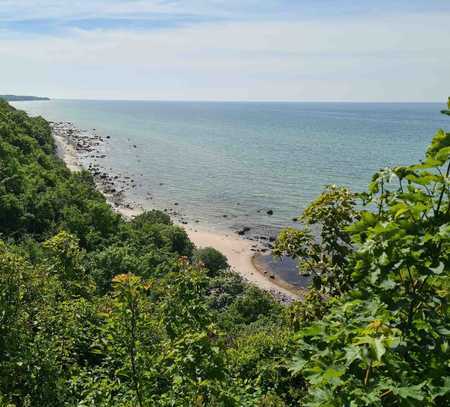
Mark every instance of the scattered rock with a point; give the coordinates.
(243, 231)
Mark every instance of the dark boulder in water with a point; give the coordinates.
(270, 212)
(243, 231)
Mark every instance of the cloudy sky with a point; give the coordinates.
(306, 50)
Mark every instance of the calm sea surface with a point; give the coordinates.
(242, 159)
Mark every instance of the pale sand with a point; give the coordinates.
(67, 153)
(237, 250)
(239, 254)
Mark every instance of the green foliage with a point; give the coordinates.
(324, 258)
(447, 112)
(259, 355)
(150, 218)
(385, 342)
(211, 259)
(251, 305)
(98, 311)
(312, 308)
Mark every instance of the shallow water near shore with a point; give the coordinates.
(226, 165)
(285, 269)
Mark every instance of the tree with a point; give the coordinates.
(325, 257)
(211, 259)
(386, 341)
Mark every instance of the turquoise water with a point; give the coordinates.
(242, 159)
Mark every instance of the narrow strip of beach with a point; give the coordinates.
(237, 250)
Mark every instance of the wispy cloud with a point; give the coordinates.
(208, 50)
(72, 11)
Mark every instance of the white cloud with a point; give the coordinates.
(391, 58)
(62, 9)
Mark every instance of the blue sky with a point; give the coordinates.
(393, 50)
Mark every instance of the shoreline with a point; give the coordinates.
(239, 251)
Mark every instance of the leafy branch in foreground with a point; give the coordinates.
(385, 342)
(325, 257)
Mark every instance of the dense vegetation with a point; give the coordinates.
(97, 311)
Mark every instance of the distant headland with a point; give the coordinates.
(17, 98)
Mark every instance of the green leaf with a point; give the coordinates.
(388, 284)
(443, 154)
(439, 269)
(401, 211)
(439, 391)
(384, 259)
(368, 217)
(413, 392)
(443, 331)
(374, 187)
(352, 353)
(297, 365)
(332, 373)
(313, 330)
(440, 141)
(378, 347)
(428, 163)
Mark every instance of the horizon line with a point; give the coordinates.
(235, 101)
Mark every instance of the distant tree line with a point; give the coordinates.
(16, 98)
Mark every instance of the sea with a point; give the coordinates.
(226, 164)
(229, 165)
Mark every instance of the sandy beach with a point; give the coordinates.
(237, 250)
(67, 153)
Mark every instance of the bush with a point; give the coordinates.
(211, 259)
(150, 218)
